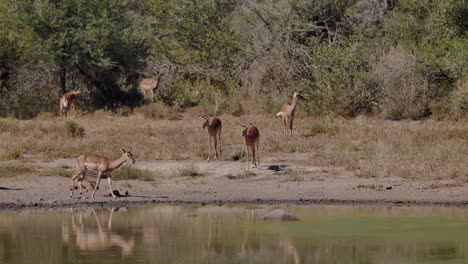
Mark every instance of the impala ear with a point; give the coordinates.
(123, 150)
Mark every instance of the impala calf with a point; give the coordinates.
(214, 131)
(288, 111)
(251, 140)
(150, 85)
(100, 164)
(67, 102)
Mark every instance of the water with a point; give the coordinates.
(178, 234)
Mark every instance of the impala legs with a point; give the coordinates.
(286, 122)
(73, 106)
(216, 147)
(291, 121)
(110, 185)
(99, 180)
(81, 172)
(219, 138)
(254, 162)
(247, 153)
(209, 144)
(258, 154)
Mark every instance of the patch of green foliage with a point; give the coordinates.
(396, 59)
(74, 130)
(12, 154)
(132, 173)
(12, 170)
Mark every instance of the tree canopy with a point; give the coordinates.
(399, 59)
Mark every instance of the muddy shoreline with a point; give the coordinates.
(126, 203)
(290, 182)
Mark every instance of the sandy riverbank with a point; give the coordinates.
(277, 180)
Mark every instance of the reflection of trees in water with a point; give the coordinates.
(90, 239)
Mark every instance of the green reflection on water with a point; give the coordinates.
(177, 234)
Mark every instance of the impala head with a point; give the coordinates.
(160, 74)
(128, 155)
(243, 128)
(206, 121)
(77, 92)
(299, 95)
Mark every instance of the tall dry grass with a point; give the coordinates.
(369, 147)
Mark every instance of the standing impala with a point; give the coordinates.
(251, 139)
(67, 102)
(100, 164)
(150, 85)
(288, 111)
(214, 131)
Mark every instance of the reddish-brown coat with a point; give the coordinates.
(150, 85)
(214, 131)
(288, 112)
(68, 101)
(251, 136)
(100, 164)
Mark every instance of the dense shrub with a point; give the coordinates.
(398, 59)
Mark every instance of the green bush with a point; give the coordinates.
(12, 154)
(8, 170)
(132, 173)
(74, 130)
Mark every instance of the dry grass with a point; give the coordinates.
(369, 147)
(12, 154)
(63, 171)
(189, 170)
(242, 175)
(10, 170)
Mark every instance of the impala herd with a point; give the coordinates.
(104, 166)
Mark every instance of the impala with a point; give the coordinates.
(67, 102)
(150, 85)
(251, 140)
(288, 111)
(89, 239)
(214, 131)
(100, 164)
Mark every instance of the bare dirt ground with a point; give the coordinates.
(279, 179)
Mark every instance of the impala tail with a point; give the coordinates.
(279, 114)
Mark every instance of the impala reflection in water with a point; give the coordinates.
(212, 234)
(95, 238)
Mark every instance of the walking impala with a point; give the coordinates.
(251, 139)
(89, 239)
(150, 85)
(68, 101)
(214, 131)
(100, 164)
(288, 111)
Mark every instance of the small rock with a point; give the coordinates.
(279, 215)
(389, 187)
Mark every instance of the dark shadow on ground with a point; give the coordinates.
(10, 189)
(277, 168)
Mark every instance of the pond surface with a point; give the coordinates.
(180, 234)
